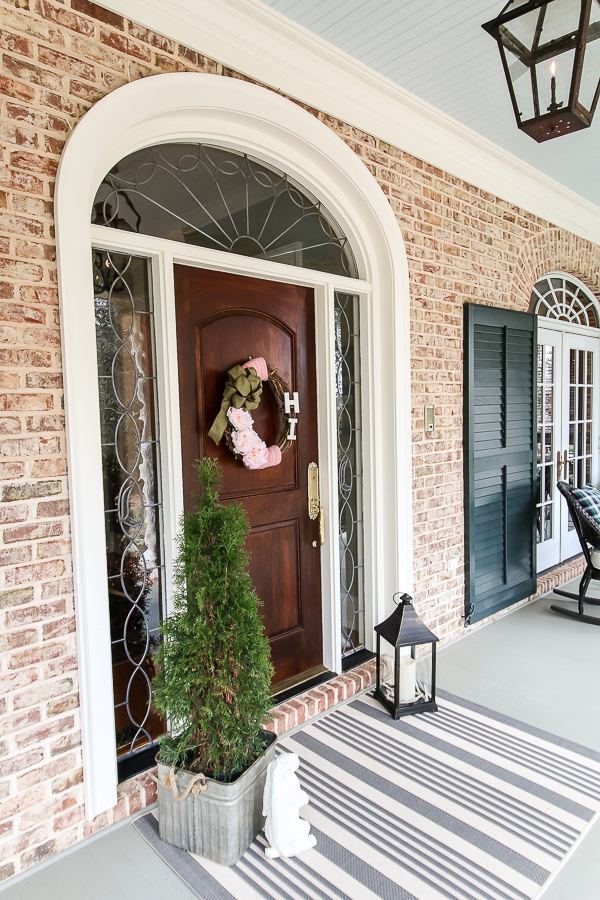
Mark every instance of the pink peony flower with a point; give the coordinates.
(245, 440)
(240, 418)
(257, 457)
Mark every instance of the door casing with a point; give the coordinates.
(245, 117)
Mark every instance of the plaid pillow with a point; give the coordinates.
(589, 500)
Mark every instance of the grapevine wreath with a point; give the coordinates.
(241, 395)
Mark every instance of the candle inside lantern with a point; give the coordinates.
(408, 678)
(554, 106)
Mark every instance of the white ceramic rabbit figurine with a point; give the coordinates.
(285, 831)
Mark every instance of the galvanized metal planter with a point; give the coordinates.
(221, 822)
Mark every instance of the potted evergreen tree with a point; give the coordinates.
(214, 675)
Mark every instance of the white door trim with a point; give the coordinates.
(196, 107)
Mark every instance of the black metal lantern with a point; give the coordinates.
(550, 51)
(403, 685)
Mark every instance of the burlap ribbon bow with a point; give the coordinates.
(242, 390)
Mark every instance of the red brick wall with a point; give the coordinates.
(58, 58)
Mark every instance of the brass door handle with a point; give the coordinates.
(314, 503)
(558, 465)
(315, 510)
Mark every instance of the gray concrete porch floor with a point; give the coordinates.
(533, 665)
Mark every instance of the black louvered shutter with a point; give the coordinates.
(500, 459)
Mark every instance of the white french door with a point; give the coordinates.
(567, 432)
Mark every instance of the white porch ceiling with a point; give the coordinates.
(437, 50)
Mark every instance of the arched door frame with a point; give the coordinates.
(556, 332)
(232, 113)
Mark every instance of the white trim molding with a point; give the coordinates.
(191, 107)
(261, 43)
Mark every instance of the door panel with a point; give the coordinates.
(580, 438)
(222, 320)
(549, 443)
(216, 341)
(279, 541)
(567, 431)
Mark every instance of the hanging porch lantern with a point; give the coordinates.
(403, 685)
(550, 51)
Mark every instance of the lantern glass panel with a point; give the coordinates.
(563, 73)
(520, 32)
(591, 61)
(520, 76)
(561, 20)
(424, 676)
(386, 670)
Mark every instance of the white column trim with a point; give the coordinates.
(265, 45)
(230, 112)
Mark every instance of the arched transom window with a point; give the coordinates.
(564, 297)
(224, 200)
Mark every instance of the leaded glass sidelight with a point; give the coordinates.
(223, 200)
(133, 513)
(349, 458)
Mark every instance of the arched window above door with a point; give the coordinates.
(565, 298)
(223, 200)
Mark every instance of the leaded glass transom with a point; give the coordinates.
(565, 298)
(349, 458)
(220, 199)
(133, 510)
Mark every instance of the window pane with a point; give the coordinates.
(548, 405)
(549, 483)
(548, 522)
(549, 363)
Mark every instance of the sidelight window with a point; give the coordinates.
(132, 502)
(349, 458)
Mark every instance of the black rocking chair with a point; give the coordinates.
(588, 533)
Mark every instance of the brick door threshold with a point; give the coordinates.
(306, 706)
(547, 581)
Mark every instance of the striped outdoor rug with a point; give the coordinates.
(463, 803)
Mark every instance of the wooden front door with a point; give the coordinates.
(223, 320)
